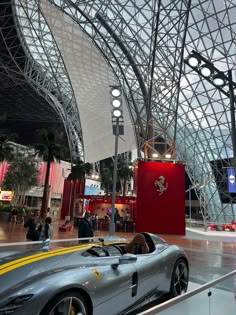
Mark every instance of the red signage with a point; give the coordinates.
(160, 198)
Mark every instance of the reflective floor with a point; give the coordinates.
(211, 255)
(213, 301)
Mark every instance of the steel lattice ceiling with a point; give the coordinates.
(144, 42)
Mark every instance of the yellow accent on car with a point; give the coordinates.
(97, 273)
(17, 263)
(36, 257)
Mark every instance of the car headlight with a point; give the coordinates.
(14, 303)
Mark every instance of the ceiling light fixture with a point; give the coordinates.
(206, 70)
(193, 60)
(219, 79)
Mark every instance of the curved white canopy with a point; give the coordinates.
(91, 78)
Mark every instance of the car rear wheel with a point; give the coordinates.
(68, 303)
(179, 280)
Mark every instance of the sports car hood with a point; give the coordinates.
(30, 266)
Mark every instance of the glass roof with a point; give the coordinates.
(145, 42)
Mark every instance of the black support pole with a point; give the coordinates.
(232, 113)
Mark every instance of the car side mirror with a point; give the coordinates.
(125, 259)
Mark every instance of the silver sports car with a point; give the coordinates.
(90, 279)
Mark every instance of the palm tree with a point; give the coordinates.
(50, 151)
(124, 173)
(107, 177)
(78, 172)
(6, 148)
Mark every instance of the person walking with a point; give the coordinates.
(94, 221)
(117, 220)
(47, 230)
(85, 228)
(117, 217)
(34, 226)
(126, 221)
(13, 215)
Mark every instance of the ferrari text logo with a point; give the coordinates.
(161, 185)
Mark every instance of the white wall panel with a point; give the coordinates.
(90, 77)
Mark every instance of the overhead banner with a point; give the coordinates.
(231, 179)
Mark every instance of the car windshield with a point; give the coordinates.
(157, 240)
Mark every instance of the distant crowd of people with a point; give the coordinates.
(40, 230)
(89, 223)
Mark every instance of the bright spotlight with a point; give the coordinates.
(117, 113)
(193, 60)
(116, 103)
(219, 79)
(206, 70)
(115, 92)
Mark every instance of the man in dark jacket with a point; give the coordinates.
(34, 227)
(85, 228)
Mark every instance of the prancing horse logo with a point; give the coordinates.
(160, 183)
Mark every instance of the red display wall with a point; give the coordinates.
(71, 188)
(160, 190)
(66, 200)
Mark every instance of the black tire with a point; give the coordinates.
(70, 302)
(179, 279)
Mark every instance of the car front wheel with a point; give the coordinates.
(68, 303)
(179, 280)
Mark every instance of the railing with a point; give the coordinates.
(194, 223)
(49, 242)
